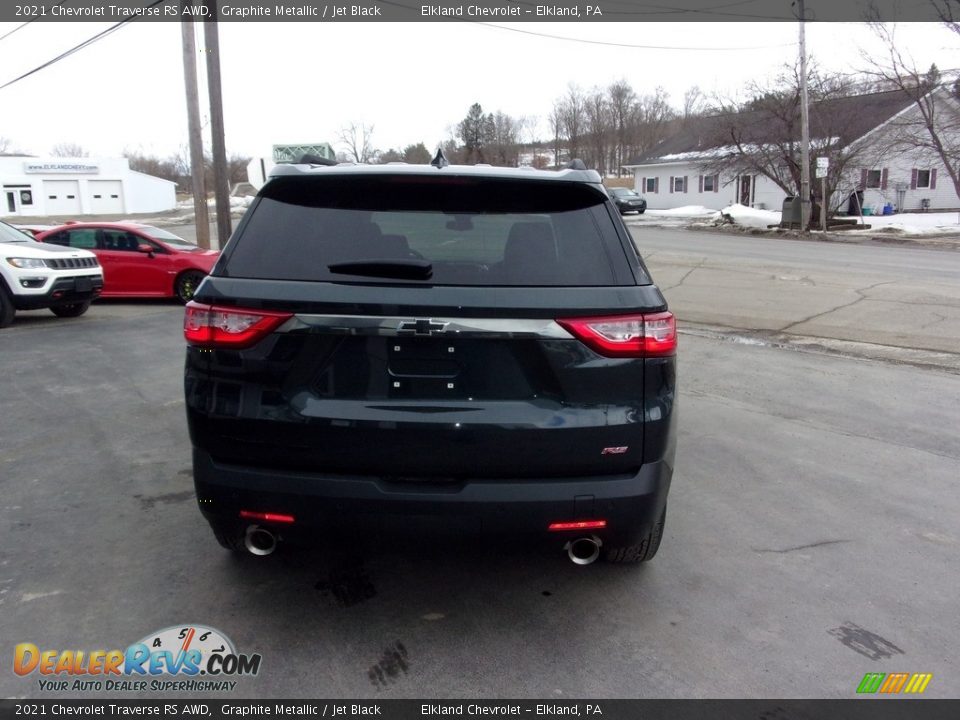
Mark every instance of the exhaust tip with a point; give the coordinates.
(259, 541)
(584, 551)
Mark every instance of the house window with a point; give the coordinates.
(651, 185)
(873, 179)
(708, 183)
(678, 185)
(923, 178)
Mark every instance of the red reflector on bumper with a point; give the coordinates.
(578, 525)
(266, 517)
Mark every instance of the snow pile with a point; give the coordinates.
(750, 217)
(687, 211)
(674, 217)
(241, 203)
(238, 204)
(942, 223)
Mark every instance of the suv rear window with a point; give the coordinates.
(473, 231)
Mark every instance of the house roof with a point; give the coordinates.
(845, 119)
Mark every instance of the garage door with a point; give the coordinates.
(106, 196)
(61, 197)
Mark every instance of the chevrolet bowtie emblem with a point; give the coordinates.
(421, 327)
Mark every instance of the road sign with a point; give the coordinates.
(823, 163)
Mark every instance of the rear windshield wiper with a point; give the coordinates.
(398, 269)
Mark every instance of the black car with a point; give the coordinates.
(441, 349)
(627, 200)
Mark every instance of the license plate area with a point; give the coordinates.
(83, 284)
(425, 367)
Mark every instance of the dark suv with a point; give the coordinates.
(466, 349)
(627, 200)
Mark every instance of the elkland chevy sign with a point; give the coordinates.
(71, 167)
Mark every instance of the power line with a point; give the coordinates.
(23, 25)
(76, 48)
(630, 45)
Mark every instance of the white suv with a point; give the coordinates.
(34, 276)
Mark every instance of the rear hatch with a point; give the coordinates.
(424, 331)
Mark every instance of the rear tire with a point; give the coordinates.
(186, 285)
(228, 535)
(71, 310)
(645, 550)
(7, 310)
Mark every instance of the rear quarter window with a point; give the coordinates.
(473, 231)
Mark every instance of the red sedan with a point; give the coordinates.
(139, 260)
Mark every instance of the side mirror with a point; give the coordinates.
(145, 248)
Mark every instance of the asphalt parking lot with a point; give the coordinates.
(811, 538)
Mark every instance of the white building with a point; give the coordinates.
(868, 130)
(33, 186)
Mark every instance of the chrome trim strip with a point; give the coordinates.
(388, 326)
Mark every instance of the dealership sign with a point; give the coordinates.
(61, 167)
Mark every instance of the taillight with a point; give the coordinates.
(647, 335)
(577, 525)
(266, 516)
(223, 327)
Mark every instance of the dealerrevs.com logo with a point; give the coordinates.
(178, 658)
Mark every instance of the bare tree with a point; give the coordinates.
(762, 135)
(165, 168)
(949, 12)
(358, 140)
(237, 168)
(649, 120)
(622, 99)
(931, 131)
(598, 129)
(694, 102)
(557, 129)
(574, 119)
(504, 141)
(389, 156)
(68, 149)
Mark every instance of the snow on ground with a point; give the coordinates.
(236, 203)
(911, 224)
(690, 211)
(947, 223)
(751, 217)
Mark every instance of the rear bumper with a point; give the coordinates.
(342, 504)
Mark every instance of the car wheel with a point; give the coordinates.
(640, 212)
(229, 535)
(643, 551)
(71, 310)
(7, 309)
(187, 284)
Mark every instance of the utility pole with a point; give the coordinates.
(193, 129)
(805, 128)
(221, 179)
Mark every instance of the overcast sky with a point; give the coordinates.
(302, 82)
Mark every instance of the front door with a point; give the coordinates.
(745, 188)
